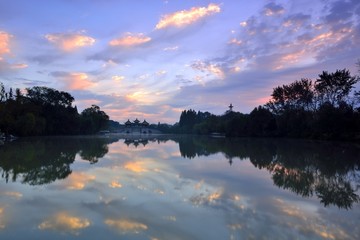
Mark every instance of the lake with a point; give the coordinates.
(178, 187)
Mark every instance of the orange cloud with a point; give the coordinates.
(4, 43)
(130, 39)
(64, 222)
(70, 42)
(186, 17)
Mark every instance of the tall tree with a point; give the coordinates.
(298, 95)
(93, 119)
(2, 92)
(335, 87)
(49, 96)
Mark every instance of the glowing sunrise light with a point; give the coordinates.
(136, 96)
(131, 58)
(186, 17)
(144, 97)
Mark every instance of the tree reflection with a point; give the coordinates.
(92, 149)
(327, 170)
(330, 171)
(38, 161)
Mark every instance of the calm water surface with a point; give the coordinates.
(162, 187)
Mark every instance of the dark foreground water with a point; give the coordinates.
(178, 188)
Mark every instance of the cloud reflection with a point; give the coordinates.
(78, 180)
(306, 222)
(16, 195)
(205, 198)
(2, 218)
(115, 184)
(65, 222)
(176, 198)
(137, 167)
(126, 225)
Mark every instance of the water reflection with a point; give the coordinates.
(177, 187)
(38, 161)
(329, 170)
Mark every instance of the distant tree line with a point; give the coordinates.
(46, 111)
(325, 109)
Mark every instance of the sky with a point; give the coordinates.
(153, 59)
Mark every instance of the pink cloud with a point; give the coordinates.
(18, 66)
(70, 42)
(75, 80)
(4, 43)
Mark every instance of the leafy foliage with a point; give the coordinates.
(46, 111)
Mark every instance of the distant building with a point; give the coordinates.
(145, 123)
(128, 123)
(136, 122)
(137, 126)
